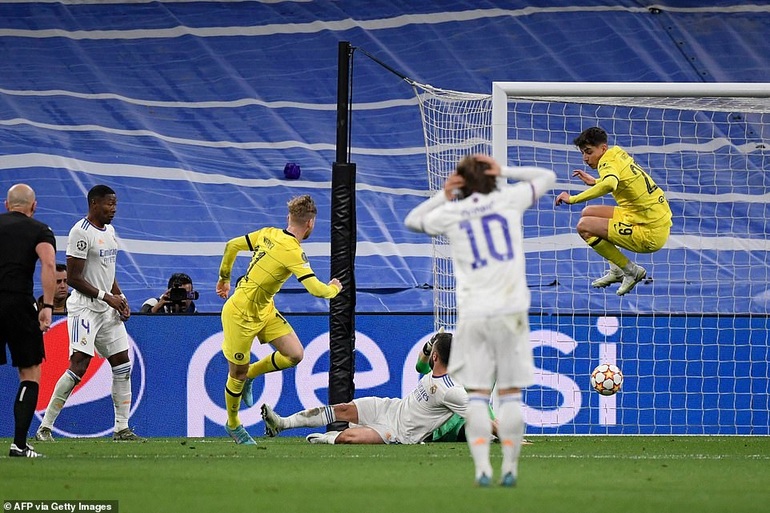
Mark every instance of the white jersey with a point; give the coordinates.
(412, 419)
(99, 248)
(486, 242)
(429, 405)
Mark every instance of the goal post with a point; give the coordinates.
(692, 339)
(732, 95)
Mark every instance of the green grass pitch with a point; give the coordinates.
(556, 474)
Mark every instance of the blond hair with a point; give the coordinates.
(301, 209)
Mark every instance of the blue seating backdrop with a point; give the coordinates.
(191, 110)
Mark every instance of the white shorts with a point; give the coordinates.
(100, 331)
(379, 414)
(493, 351)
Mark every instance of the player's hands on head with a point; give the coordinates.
(494, 167)
(453, 184)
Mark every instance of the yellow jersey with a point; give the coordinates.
(277, 254)
(633, 189)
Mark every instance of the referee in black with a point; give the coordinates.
(23, 241)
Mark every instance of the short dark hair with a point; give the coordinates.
(593, 136)
(476, 179)
(99, 191)
(61, 267)
(179, 279)
(443, 346)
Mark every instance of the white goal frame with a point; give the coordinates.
(502, 91)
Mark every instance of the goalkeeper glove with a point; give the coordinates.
(428, 347)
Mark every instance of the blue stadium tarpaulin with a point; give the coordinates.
(191, 110)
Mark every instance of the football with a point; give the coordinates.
(607, 379)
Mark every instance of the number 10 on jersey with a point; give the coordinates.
(493, 242)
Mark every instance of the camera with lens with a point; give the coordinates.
(178, 294)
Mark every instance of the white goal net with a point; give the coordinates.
(692, 339)
(455, 124)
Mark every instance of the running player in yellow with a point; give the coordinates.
(251, 314)
(640, 223)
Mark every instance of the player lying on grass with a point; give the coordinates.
(376, 420)
(453, 430)
(640, 223)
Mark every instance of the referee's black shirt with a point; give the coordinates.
(19, 236)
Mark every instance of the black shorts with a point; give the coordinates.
(20, 331)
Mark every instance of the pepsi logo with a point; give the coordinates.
(89, 410)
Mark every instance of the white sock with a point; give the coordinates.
(121, 394)
(314, 417)
(61, 393)
(478, 431)
(510, 430)
(615, 269)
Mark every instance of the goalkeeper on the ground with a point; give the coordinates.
(453, 430)
(380, 420)
(640, 222)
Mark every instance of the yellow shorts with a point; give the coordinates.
(240, 332)
(624, 230)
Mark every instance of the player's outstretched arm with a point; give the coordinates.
(600, 188)
(320, 289)
(584, 177)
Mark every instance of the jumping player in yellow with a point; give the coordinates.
(640, 223)
(251, 314)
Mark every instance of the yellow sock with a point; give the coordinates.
(233, 390)
(608, 250)
(274, 362)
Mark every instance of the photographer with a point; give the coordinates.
(177, 299)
